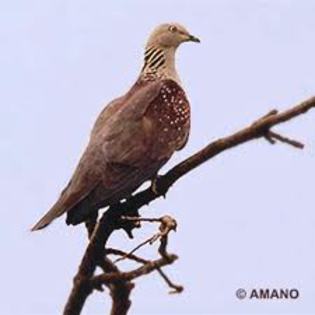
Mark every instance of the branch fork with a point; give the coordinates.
(272, 137)
(113, 275)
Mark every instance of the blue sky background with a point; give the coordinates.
(246, 218)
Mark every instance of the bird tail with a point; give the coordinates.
(56, 211)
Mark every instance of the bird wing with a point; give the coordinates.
(124, 138)
(107, 112)
(111, 159)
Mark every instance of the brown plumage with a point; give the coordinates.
(133, 137)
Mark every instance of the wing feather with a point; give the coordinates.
(118, 138)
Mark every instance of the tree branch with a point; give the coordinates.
(93, 256)
(108, 278)
(175, 287)
(111, 219)
(276, 136)
(167, 224)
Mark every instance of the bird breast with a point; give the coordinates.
(169, 115)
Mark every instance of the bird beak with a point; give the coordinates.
(194, 39)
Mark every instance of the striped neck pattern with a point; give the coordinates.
(159, 63)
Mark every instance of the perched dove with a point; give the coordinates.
(134, 136)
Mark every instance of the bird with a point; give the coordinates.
(133, 136)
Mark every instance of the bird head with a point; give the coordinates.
(170, 35)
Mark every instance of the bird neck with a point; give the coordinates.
(159, 63)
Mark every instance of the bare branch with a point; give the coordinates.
(111, 219)
(107, 278)
(130, 254)
(176, 288)
(277, 136)
(140, 219)
(167, 224)
(119, 290)
(118, 252)
(93, 255)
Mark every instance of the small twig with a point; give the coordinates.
(118, 252)
(273, 135)
(176, 288)
(139, 219)
(148, 241)
(167, 224)
(108, 278)
(268, 137)
(270, 113)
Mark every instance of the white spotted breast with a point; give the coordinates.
(169, 114)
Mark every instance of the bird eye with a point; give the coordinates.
(172, 28)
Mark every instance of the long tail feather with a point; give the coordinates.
(56, 211)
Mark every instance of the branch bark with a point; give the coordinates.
(119, 290)
(111, 219)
